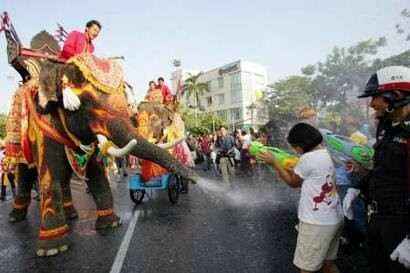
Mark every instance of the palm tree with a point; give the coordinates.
(192, 87)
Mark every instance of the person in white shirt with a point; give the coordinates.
(319, 212)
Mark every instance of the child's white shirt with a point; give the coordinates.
(319, 202)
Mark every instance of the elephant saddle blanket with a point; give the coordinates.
(33, 125)
(104, 74)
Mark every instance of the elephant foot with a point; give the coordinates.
(106, 222)
(70, 213)
(17, 215)
(52, 247)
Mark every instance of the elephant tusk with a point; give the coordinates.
(120, 152)
(170, 145)
(107, 147)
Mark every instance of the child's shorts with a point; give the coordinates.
(316, 244)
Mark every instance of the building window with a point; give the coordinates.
(236, 88)
(236, 114)
(209, 101)
(222, 114)
(220, 99)
(220, 82)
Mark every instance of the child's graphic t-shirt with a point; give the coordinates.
(319, 202)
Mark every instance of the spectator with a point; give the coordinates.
(320, 213)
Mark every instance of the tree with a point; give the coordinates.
(344, 70)
(400, 59)
(193, 87)
(287, 96)
(403, 25)
(325, 86)
(283, 100)
(202, 123)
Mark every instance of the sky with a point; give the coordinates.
(281, 35)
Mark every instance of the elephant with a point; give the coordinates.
(26, 175)
(58, 141)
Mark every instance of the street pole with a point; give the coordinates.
(178, 74)
(252, 108)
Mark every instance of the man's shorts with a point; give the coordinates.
(316, 244)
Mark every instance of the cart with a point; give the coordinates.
(170, 182)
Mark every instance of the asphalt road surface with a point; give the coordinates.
(249, 228)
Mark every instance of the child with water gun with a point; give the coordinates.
(319, 211)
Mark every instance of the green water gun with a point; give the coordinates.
(286, 160)
(344, 149)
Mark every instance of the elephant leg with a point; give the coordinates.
(100, 190)
(69, 209)
(24, 178)
(53, 171)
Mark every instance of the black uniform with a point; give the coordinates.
(388, 196)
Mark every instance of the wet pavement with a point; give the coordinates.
(212, 229)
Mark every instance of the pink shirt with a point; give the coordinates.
(76, 43)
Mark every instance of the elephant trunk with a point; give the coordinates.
(128, 141)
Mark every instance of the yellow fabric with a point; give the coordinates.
(104, 149)
(154, 96)
(176, 130)
(79, 91)
(105, 81)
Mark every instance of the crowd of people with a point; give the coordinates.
(226, 153)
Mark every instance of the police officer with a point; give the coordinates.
(388, 183)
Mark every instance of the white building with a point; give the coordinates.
(234, 90)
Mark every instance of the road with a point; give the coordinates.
(212, 229)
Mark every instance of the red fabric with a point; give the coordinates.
(76, 43)
(166, 93)
(150, 170)
(205, 145)
(404, 86)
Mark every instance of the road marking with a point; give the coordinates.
(122, 252)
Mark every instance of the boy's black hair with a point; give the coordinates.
(93, 22)
(304, 136)
(161, 79)
(151, 82)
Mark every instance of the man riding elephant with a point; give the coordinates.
(80, 42)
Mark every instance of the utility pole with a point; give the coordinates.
(252, 108)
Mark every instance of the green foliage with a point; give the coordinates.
(192, 87)
(325, 86)
(3, 120)
(289, 95)
(403, 25)
(308, 70)
(334, 116)
(344, 70)
(400, 59)
(203, 123)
